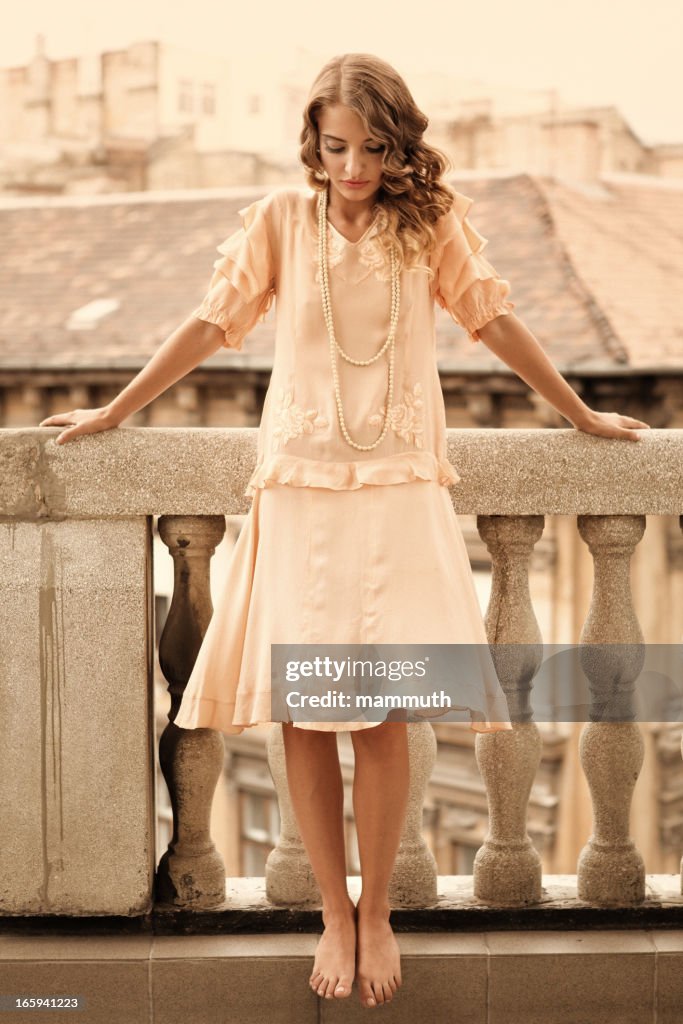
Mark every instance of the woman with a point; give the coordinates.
(351, 537)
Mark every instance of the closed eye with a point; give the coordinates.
(340, 149)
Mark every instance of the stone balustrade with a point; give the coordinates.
(76, 621)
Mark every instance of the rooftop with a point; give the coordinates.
(594, 270)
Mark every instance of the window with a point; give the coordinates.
(89, 75)
(260, 828)
(462, 858)
(209, 99)
(185, 96)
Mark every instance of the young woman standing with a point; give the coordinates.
(351, 537)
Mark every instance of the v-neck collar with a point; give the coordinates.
(362, 238)
(371, 228)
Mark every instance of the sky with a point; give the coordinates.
(594, 52)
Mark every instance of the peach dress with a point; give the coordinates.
(342, 546)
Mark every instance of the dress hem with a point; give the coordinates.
(208, 714)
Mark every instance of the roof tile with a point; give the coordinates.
(594, 272)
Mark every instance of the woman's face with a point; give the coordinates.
(349, 153)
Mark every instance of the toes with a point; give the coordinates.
(330, 988)
(378, 992)
(343, 988)
(331, 985)
(367, 996)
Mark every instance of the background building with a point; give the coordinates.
(150, 116)
(157, 116)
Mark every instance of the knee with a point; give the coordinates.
(385, 735)
(313, 737)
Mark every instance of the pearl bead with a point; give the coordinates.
(327, 312)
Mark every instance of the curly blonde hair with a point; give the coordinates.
(411, 198)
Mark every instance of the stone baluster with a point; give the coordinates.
(507, 867)
(191, 872)
(610, 869)
(289, 876)
(413, 881)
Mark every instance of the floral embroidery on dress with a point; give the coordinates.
(406, 418)
(371, 255)
(292, 421)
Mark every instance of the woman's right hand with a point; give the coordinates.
(81, 421)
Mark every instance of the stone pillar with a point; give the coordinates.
(507, 867)
(610, 870)
(76, 704)
(191, 872)
(289, 875)
(413, 882)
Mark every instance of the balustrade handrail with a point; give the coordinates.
(132, 471)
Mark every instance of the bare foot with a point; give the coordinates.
(334, 966)
(378, 971)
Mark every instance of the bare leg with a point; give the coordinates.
(317, 795)
(380, 800)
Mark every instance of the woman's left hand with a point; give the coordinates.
(612, 424)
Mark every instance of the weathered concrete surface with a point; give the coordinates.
(76, 764)
(200, 471)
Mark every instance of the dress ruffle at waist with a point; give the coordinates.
(348, 476)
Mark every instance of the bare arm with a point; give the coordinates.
(512, 341)
(187, 347)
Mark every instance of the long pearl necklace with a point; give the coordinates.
(327, 311)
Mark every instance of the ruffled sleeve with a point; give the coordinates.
(243, 285)
(465, 284)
